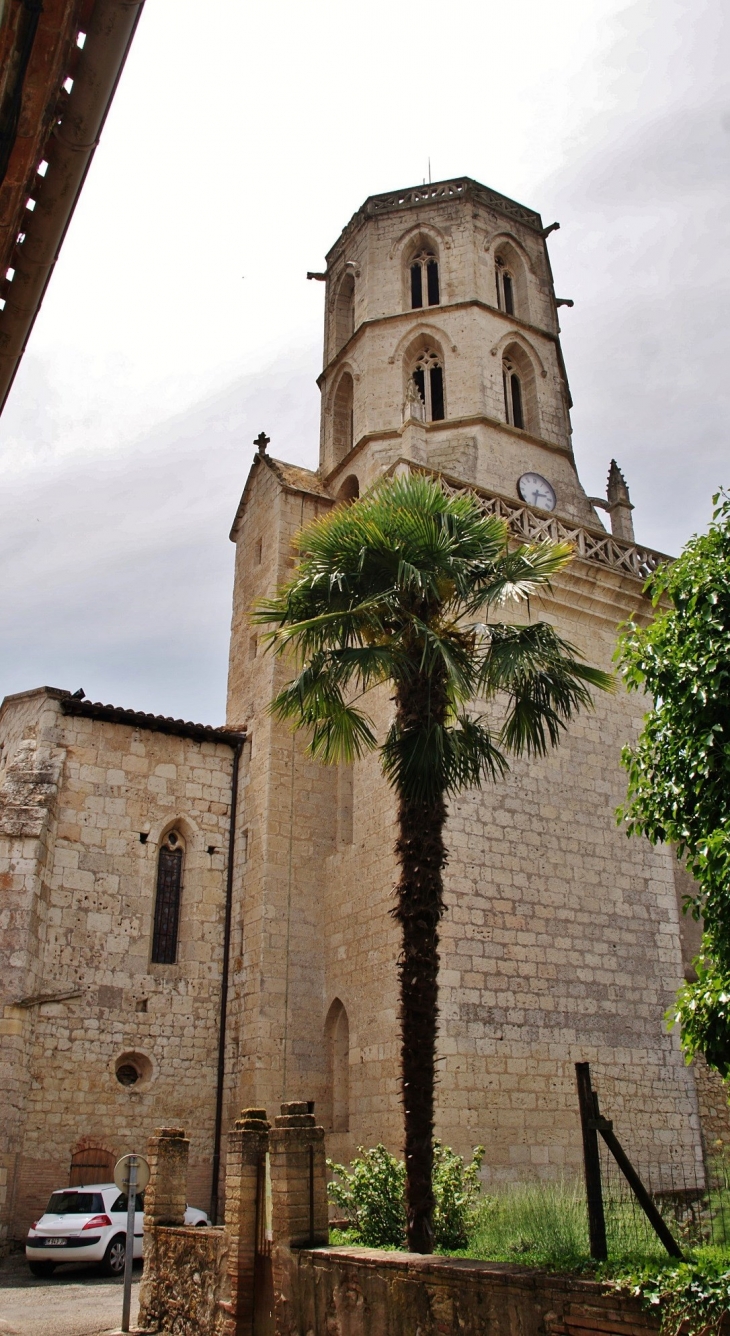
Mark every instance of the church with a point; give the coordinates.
(197, 919)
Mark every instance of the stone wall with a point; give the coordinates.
(84, 806)
(185, 1279)
(561, 940)
(359, 1292)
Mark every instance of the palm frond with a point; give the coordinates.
(380, 594)
(422, 763)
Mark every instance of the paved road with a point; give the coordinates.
(75, 1301)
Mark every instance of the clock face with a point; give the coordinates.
(536, 491)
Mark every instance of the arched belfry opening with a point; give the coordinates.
(342, 417)
(520, 390)
(424, 368)
(337, 1048)
(422, 274)
(510, 280)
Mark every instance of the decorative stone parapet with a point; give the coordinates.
(245, 1220)
(166, 1193)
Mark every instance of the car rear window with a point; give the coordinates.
(75, 1203)
(121, 1202)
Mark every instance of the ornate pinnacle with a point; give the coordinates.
(617, 492)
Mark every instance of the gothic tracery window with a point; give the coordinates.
(513, 408)
(428, 378)
(167, 900)
(424, 280)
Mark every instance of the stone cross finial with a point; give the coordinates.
(262, 440)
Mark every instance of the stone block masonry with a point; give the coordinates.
(562, 938)
(85, 804)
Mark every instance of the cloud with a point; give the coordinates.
(646, 256)
(116, 567)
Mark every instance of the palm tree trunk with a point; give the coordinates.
(422, 855)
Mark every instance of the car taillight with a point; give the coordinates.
(97, 1222)
(34, 1225)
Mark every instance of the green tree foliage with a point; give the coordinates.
(372, 1196)
(679, 770)
(388, 592)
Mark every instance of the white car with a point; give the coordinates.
(89, 1224)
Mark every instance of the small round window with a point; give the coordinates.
(129, 1068)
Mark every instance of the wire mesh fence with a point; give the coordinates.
(694, 1201)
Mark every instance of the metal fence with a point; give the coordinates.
(694, 1201)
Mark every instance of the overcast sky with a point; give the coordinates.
(179, 321)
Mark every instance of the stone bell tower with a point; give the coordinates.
(562, 939)
(442, 345)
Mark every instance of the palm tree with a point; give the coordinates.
(386, 591)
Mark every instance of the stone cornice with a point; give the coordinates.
(431, 313)
(437, 193)
(446, 425)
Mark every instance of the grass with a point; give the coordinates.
(545, 1225)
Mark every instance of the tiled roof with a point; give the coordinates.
(156, 723)
(302, 480)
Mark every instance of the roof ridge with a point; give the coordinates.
(156, 723)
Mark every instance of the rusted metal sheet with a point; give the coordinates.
(67, 90)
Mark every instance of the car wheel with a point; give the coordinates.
(113, 1263)
(42, 1268)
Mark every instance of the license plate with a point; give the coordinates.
(56, 1243)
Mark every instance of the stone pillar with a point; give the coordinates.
(299, 1197)
(245, 1162)
(164, 1204)
(165, 1196)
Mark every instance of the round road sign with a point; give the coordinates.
(121, 1173)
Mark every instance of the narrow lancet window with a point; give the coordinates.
(337, 1045)
(505, 288)
(425, 280)
(416, 287)
(167, 901)
(512, 395)
(428, 378)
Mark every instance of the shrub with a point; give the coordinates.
(457, 1190)
(372, 1196)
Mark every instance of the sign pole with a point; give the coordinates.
(129, 1254)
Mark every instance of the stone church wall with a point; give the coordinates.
(82, 933)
